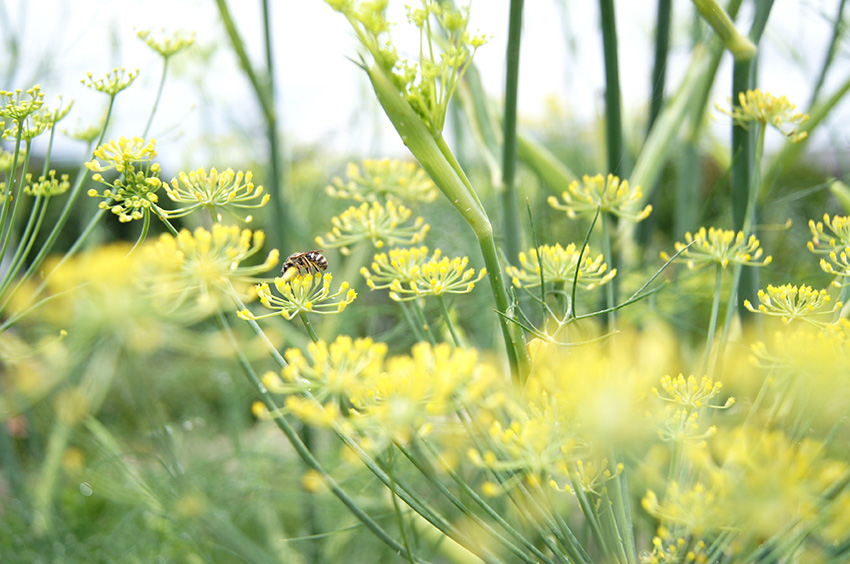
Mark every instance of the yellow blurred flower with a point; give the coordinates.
(721, 247)
(609, 194)
(376, 223)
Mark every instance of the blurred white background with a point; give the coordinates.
(324, 98)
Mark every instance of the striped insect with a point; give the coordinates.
(304, 263)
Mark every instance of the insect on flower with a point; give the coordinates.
(305, 262)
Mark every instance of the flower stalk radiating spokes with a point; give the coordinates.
(303, 294)
(214, 191)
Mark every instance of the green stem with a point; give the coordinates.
(414, 326)
(838, 29)
(712, 325)
(423, 322)
(299, 446)
(613, 111)
(158, 97)
(448, 319)
(659, 69)
(16, 193)
(510, 199)
(741, 48)
(610, 290)
(36, 216)
(396, 507)
(309, 327)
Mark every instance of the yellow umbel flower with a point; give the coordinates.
(375, 223)
(384, 179)
(789, 302)
(690, 393)
(114, 82)
(202, 268)
(823, 242)
(436, 277)
(721, 247)
(16, 107)
(838, 265)
(302, 294)
(756, 106)
(166, 45)
(133, 194)
(213, 191)
(609, 194)
(559, 266)
(398, 264)
(47, 186)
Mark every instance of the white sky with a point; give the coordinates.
(324, 97)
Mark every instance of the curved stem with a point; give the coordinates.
(307, 325)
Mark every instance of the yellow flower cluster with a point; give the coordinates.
(436, 277)
(304, 293)
(47, 186)
(756, 106)
(721, 247)
(790, 302)
(166, 45)
(213, 191)
(379, 224)
(558, 264)
(609, 194)
(399, 264)
(384, 179)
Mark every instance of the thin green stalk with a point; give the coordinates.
(396, 508)
(17, 193)
(36, 216)
(610, 289)
(659, 69)
(449, 323)
(301, 449)
(158, 97)
(623, 515)
(11, 189)
(414, 326)
(712, 324)
(309, 327)
(423, 322)
(838, 29)
(510, 198)
(613, 109)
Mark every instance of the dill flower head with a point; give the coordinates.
(17, 105)
(330, 372)
(690, 393)
(412, 391)
(756, 106)
(428, 84)
(304, 293)
(384, 179)
(790, 302)
(47, 186)
(721, 247)
(398, 264)
(610, 194)
(199, 189)
(838, 265)
(114, 82)
(837, 239)
(132, 195)
(438, 276)
(199, 270)
(166, 45)
(376, 223)
(559, 265)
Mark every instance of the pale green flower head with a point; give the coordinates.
(384, 179)
(790, 302)
(166, 44)
(437, 277)
(608, 194)
(720, 246)
(375, 223)
(305, 293)
(114, 82)
(47, 186)
(445, 51)
(559, 266)
(88, 133)
(17, 105)
(213, 191)
(398, 264)
(760, 107)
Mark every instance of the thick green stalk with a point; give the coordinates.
(432, 153)
(741, 47)
(613, 106)
(265, 93)
(510, 198)
(659, 69)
